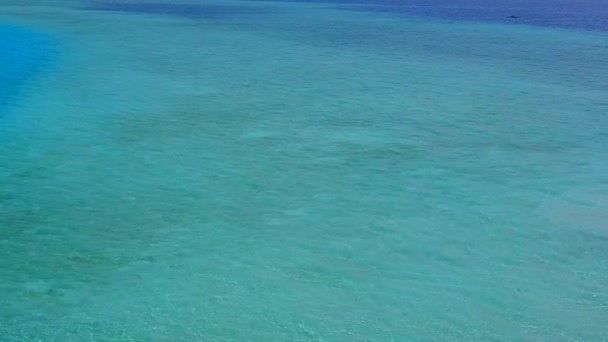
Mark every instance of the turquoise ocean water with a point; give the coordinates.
(297, 171)
(22, 54)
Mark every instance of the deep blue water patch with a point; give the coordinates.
(23, 53)
(577, 14)
(193, 11)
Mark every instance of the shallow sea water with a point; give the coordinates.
(273, 171)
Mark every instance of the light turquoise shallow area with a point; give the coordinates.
(306, 175)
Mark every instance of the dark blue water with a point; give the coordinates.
(580, 14)
(577, 14)
(22, 54)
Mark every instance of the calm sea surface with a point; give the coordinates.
(304, 171)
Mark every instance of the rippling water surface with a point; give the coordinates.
(295, 171)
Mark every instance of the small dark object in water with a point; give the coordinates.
(513, 17)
